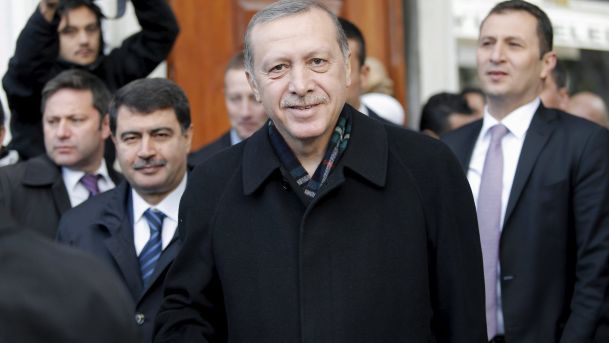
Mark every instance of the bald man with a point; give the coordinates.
(589, 106)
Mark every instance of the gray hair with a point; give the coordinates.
(285, 8)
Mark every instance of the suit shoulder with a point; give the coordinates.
(203, 154)
(87, 212)
(413, 144)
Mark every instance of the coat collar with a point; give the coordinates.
(366, 155)
(41, 171)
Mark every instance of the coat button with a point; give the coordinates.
(140, 318)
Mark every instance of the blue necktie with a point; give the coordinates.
(153, 248)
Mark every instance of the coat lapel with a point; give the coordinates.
(119, 243)
(536, 138)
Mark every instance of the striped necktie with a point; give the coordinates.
(153, 248)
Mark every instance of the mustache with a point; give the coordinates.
(303, 101)
(141, 164)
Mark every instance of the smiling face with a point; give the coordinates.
(79, 36)
(151, 150)
(73, 135)
(246, 114)
(301, 76)
(510, 67)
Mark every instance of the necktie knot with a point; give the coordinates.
(497, 132)
(155, 220)
(89, 181)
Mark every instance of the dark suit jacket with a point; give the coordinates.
(103, 226)
(52, 293)
(203, 154)
(375, 115)
(388, 250)
(554, 249)
(35, 195)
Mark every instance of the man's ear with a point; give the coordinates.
(105, 126)
(253, 85)
(364, 74)
(548, 64)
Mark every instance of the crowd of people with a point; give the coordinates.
(317, 216)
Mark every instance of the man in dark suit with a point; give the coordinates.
(36, 192)
(326, 226)
(359, 70)
(51, 293)
(245, 113)
(133, 227)
(541, 180)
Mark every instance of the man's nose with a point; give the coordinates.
(63, 129)
(146, 149)
(301, 82)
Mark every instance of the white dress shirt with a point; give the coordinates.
(169, 206)
(517, 123)
(77, 191)
(234, 137)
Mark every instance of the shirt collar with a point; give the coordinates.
(363, 109)
(169, 205)
(517, 121)
(71, 177)
(234, 137)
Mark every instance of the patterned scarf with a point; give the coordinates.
(335, 149)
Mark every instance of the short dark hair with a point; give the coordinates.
(545, 32)
(471, 89)
(67, 5)
(560, 75)
(237, 62)
(78, 79)
(353, 32)
(148, 95)
(439, 107)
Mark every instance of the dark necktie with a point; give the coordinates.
(489, 216)
(90, 183)
(153, 248)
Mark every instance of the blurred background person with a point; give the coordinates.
(476, 99)
(589, 106)
(445, 112)
(246, 114)
(6, 156)
(66, 34)
(53, 293)
(359, 70)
